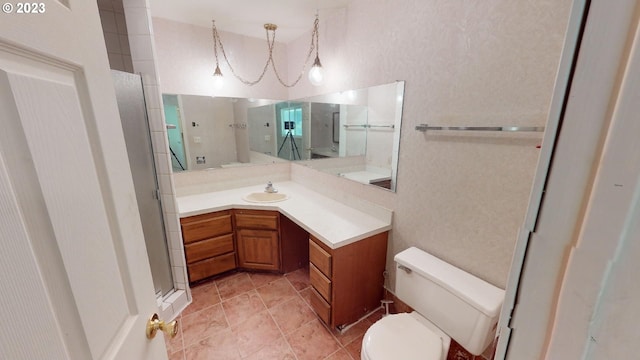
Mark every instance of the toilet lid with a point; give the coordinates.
(401, 336)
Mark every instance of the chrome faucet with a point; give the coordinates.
(270, 189)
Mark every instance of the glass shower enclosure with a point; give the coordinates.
(135, 125)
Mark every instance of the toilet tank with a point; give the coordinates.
(465, 307)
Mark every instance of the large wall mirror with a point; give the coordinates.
(353, 134)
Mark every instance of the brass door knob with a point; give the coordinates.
(154, 324)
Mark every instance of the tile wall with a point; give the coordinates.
(130, 46)
(114, 28)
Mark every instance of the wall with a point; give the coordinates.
(382, 111)
(322, 125)
(459, 196)
(261, 136)
(213, 136)
(353, 140)
(196, 182)
(186, 62)
(240, 111)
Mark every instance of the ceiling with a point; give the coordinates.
(247, 17)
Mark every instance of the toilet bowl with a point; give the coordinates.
(406, 336)
(449, 304)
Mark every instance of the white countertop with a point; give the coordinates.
(366, 177)
(332, 222)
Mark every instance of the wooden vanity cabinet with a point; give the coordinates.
(258, 239)
(208, 244)
(347, 282)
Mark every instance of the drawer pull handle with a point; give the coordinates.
(406, 269)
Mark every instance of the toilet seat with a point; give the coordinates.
(401, 336)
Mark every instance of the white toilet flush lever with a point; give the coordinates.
(406, 269)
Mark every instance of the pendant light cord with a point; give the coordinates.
(271, 39)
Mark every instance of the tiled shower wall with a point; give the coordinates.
(114, 28)
(129, 41)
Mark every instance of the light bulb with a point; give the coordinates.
(316, 74)
(218, 82)
(218, 79)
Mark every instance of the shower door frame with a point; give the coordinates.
(545, 299)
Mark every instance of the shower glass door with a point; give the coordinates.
(135, 125)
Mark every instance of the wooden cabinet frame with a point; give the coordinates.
(209, 245)
(258, 239)
(347, 282)
(353, 278)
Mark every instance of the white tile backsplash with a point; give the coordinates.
(196, 182)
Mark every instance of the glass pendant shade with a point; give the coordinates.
(218, 79)
(316, 74)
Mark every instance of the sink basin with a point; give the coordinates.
(263, 197)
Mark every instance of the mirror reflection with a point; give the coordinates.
(354, 134)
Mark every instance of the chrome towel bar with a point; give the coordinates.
(425, 127)
(369, 126)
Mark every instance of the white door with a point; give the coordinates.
(74, 273)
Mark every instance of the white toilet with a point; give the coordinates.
(448, 303)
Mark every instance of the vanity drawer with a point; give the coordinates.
(319, 257)
(320, 282)
(321, 307)
(212, 266)
(200, 250)
(205, 226)
(263, 220)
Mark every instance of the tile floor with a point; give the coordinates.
(260, 316)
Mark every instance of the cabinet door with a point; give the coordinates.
(258, 249)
